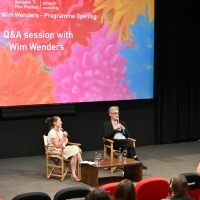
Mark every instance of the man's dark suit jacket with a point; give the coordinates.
(109, 132)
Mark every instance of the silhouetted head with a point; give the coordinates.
(125, 191)
(98, 194)
(179, 186)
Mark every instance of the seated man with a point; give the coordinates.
(118, 132)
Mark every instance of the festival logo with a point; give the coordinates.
(27, 4)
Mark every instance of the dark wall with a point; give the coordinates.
(22, 136)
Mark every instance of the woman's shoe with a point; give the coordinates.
(75, 179)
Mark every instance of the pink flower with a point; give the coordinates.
(93, 73)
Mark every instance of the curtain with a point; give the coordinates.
(177, 71)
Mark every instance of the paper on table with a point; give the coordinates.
(87, 162)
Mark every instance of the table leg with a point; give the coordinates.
(133, 172)
(89, 175)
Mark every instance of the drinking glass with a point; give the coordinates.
(96, 161)
(124, 153)
(119, 154)
(99, 157)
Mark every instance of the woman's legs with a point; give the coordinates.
(74, 159)
(79, 157)
(73, 165)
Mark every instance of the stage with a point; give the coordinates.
(27, 174)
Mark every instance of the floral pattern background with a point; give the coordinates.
(110, 58)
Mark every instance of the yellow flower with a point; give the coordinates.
(121, 13)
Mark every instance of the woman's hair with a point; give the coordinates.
(51, 120)
(125, 191)
(98, 194)
(179, 186)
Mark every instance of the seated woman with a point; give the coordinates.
(57, 137)
(179, 188)
(125, 191)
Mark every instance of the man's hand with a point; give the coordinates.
(119, 126)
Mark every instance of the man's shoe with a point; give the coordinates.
(144, 167)
(136, 158)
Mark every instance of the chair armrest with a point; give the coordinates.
(60, 147)
(108, 140)
(77, 144)
(132, 139)
(54, 153)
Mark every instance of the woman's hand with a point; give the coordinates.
(59, 142)
(65, 133)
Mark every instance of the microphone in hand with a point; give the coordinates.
(64, 131)
(121, 128)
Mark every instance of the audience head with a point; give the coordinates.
(179, 186)
(52, 121)
(98, 194)
(125, 191)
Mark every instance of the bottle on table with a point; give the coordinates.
(120, 153)
(95, 158)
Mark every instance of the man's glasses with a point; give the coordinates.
(114, 113)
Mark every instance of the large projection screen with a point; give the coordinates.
(68, 51)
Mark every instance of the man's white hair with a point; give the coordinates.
(113, 108)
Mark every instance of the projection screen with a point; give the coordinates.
(68, 51)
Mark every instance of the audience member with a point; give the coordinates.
(58, 137)
(179, 188)
(125, 191)
(98, 194)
